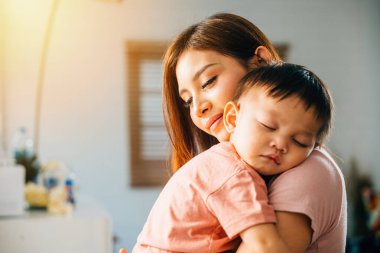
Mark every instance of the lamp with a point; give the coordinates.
(30, 161)
(41, 73)
(2, 117)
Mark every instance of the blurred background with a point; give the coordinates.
(85, 111)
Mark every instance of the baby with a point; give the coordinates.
(218, 200)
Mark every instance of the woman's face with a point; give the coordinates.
(206, 82)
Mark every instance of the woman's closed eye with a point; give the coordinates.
(189, 101)
(209, 81)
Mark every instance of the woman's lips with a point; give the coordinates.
(213, 121)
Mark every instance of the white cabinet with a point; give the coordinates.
(88, 229)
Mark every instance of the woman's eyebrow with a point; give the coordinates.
(201, 70)
(198, 73)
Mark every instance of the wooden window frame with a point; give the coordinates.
(144, 173)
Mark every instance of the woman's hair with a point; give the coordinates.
(284, 80)
(225, 33)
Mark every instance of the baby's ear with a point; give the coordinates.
(229, 116)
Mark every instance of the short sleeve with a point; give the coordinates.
(315, 188)
(241, 202)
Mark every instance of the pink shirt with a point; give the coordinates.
(206, 205)
(316, 189)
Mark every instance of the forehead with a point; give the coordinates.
(196, 54)
(260, 94)
(290, 110)
(199, 55)
(191, 60)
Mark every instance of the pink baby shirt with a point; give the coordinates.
(206, 205)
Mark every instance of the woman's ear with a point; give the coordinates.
(261, 57)
(231, 110)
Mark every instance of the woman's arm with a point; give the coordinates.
(292, 233)
(295, 230)
(263, 238)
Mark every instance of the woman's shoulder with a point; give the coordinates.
(315, 188)
(318, 166)
(319, 174)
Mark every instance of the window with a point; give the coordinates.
(149, 143)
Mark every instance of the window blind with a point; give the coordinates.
(149, 143)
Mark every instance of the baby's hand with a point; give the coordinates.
(122, 250)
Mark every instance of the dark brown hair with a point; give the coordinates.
(225, 33)
(284, 80)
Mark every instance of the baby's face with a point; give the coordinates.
(273, 135)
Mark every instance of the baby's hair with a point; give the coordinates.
(283, 80)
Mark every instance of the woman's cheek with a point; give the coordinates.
(230, 90)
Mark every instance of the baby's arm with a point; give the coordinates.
(262, 238)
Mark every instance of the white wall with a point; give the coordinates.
(2, 90)
(84, 116)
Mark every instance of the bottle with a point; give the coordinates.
(69, 184)
(22, 145)
(23, 153)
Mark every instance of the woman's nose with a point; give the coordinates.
(280, 144)
(200, 107)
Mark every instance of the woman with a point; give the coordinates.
(202, 68)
